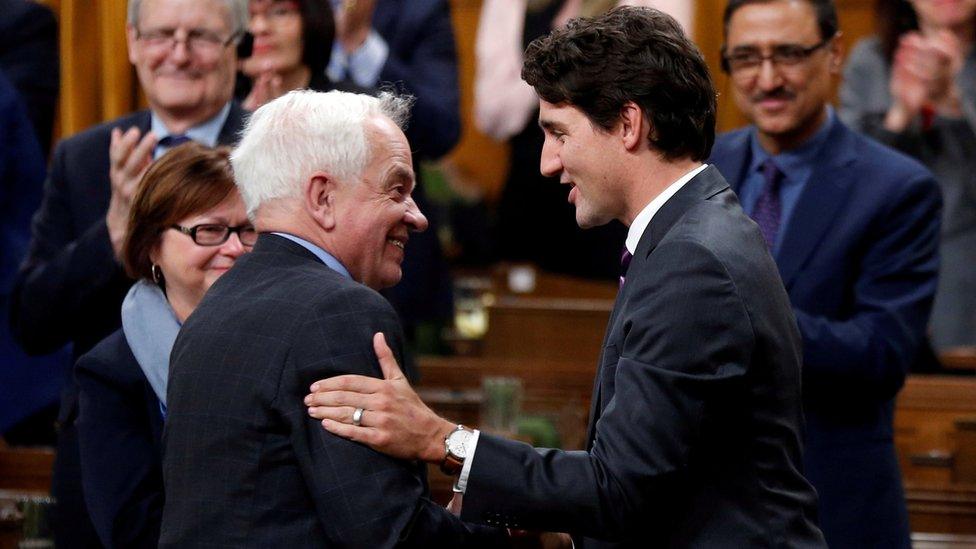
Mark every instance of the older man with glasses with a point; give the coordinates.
(71, 286)
(853, 227)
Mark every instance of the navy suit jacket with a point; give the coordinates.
(120, 429)
(29, 383)
(29, 56)
(244, 465)
(859, 261)
(694, 437)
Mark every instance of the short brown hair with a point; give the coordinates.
(629, 54)
(187, 180)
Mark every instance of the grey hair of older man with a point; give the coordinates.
(237, 9)
(301, 132)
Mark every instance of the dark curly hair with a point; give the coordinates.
(630, 54)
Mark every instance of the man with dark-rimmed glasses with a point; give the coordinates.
(853, 227)
(71, 286)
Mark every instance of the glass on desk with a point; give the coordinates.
(502, 404)
(472, 297)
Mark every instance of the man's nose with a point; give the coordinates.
(549, 163)
(414, 218)
(768, 77)
(180, 54)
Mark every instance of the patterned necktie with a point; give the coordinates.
(768, 207)
(171, 141)
(625, 258)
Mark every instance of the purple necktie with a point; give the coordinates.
(625, 258)
(768, 207)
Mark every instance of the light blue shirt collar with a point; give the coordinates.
(802, 158)
(324, 256)
(205, 133)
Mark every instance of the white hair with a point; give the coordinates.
(237, 9)
(288, 139)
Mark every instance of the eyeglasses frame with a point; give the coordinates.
(192, 233)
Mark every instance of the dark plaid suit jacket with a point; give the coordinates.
(244, 465)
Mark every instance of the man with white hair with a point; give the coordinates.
(327, 179)
(70, 288)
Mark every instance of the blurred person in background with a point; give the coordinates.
(853, 227)
(28, 385)
(187, 226)
(913, 86)
(71, 286)
(29, 56)
(292, 40)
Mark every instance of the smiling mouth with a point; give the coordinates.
(397, 242)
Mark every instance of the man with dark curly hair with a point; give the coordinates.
(694, 436)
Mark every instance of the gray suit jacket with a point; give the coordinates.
(244, 465)
(695, 427)
(948, 148)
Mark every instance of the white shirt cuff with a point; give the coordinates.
(362, 66)
(462, 482)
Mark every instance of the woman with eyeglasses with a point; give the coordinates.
(292, 43)
(913, 86)
(187, 227)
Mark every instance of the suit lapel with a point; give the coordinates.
(823, 195)
(703, 186)
(230, 133)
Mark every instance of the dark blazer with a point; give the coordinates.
(28, 383)
(694, 437)
(120, 429)
(70, 288)
(29, 56)
(244, 465)
(859, 261)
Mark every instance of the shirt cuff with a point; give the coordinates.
(462, 482)
(362, 66)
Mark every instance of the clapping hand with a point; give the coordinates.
(353, 22)
(130, 155)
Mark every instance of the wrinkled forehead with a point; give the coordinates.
(190, 14)
(771, 24)
(386, 142)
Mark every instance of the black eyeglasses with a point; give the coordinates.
(748, 60)
(212, 234)
(203, 42)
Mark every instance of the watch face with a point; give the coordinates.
(457, 443)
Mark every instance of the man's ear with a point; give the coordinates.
(131, 42)
(320, 199)
(836, 50)
(634, 127)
